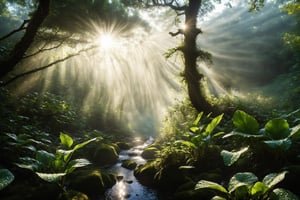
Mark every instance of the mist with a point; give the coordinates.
(135, 84)
(247, 47)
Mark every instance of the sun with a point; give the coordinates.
(106, 41)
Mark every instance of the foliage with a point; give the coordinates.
(6, 178)
(245, 185)
(275, 134)
(53, 167)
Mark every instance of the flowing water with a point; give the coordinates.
(128, 187)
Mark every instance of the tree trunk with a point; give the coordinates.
(22, 46)
(192, 77)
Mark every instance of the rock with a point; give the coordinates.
(149, 153)
(105, 155)
(145, 173)
(129, 164)
(91, 182)
(124, 145)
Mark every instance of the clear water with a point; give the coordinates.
(128, 187)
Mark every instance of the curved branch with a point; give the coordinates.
(46, 66)
(22, 27)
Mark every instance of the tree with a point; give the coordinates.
(22, 46)
(193, 78)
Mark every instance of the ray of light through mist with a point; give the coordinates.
(247, 48)
(128, 75)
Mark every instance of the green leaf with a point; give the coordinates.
(258, 189)
(212, 125)
(295, 133)
(230, 158)
(241, 179)
(273, 179)
(203, 184)
(66, 154)
(283, 194)
(197, 120)
(194, 129)
(6, 178)
(77, 163)
(51, 177)
(186, 143)
(277, 128)
(45, 158)
(245, 123)
(66, 140)
(283, 144)
(244, 135)
(78, 146)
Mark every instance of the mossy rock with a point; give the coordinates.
(145, 173)
(149, 153)
(124, 145)
(105, 155)
(91, 182)
(129, 164)
(73, 195)
(170, 177)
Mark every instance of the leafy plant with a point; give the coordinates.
(6, 178)
(53, 167)
(245, 185)
(275, 134)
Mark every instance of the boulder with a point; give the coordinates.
(105, 155)
(91, 182)
(129, 164)
(149, 153)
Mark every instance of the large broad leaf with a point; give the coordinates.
(283, 194)
(277, 128)
(273, 179)
(210, 185)
(45, 158)
(66, 140)
(76, 164)
(244, 135)
(241, 179)
(259, 189)
(283, 144)
(51, 177)
(245, 123)
(212, 125)
(230, 158)
(6, 177)
(78, 146)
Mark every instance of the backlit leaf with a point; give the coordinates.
(66, 140)
(245, 123)
(277, 128)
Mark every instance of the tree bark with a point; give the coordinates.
(22, 46)
(191, 75)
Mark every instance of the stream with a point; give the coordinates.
(128, 187)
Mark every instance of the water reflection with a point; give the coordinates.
(128, 186)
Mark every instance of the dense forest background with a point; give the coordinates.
(215, 82)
